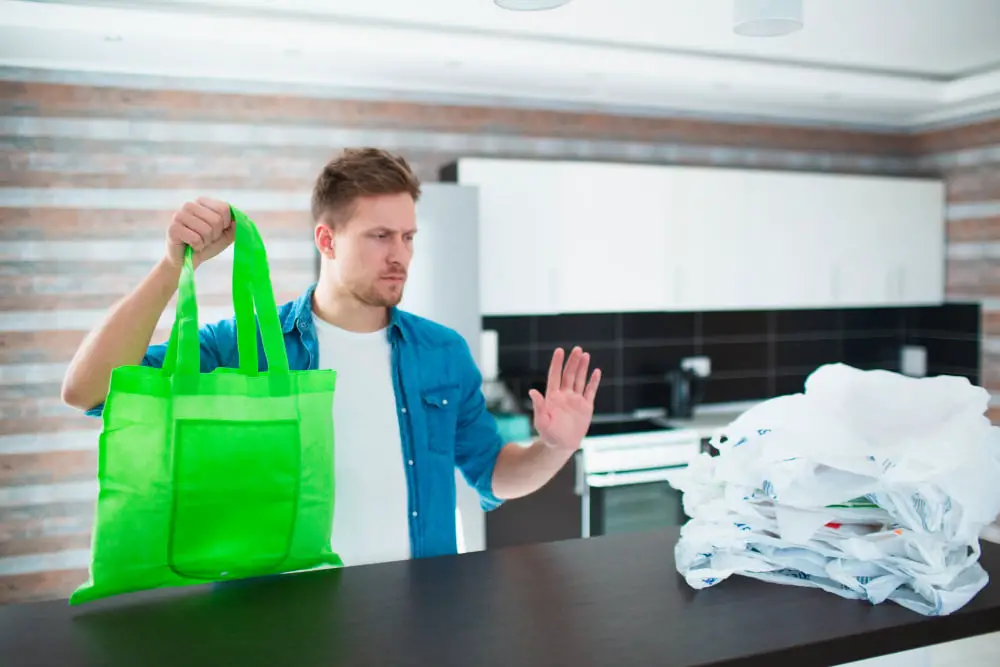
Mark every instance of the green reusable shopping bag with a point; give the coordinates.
(215, 476)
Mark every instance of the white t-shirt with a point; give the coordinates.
(370, 522)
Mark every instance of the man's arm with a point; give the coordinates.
(562, 417)
(120, 340)
(124, 335)
(521, 470)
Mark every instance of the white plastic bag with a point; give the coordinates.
(870, 485)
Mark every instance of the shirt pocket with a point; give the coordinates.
(441, 415)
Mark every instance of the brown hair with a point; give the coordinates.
(360, 172)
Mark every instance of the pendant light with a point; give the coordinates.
(529, 5)
(767, 18)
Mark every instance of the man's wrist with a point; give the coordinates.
(555, 451)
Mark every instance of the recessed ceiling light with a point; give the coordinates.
(767, 18)
(529, 5)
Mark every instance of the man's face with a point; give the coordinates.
(373, 249)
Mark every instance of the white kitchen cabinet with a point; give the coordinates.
(599, 237)
(741, 243)
(919, 246)
(795, 240)
(705, 239)
(520, 204)
(887, 240)
(614, 253)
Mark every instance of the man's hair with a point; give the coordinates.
(360, 172)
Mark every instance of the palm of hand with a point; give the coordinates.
(564, 413)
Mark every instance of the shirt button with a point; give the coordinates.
(414, 514)
(410, 462)
(444, 402)
(404, 411)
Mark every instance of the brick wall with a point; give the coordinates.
(90, 175)
(969, 159)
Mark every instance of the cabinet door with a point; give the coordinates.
(888, 244)
(920, 245)
(746, 241)
(552, 513)
(702, 229)
(520, 204)
(781, 240)
(612, 253)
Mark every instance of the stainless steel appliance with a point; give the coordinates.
(624, 474)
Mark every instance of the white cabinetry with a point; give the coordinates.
(614, 251)
(599, 237)
(520, 206)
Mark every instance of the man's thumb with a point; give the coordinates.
(537, 401)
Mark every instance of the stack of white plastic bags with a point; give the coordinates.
(870, 485)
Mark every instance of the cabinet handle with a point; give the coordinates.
(835, 283)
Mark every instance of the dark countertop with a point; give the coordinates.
(602, 601)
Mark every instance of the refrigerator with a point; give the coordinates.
(443, 286)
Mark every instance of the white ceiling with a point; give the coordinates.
(933, 37)
(882, 62)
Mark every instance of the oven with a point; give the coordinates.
(625, 470)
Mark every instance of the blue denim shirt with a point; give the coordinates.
(442, 413)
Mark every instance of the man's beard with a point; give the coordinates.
(373, 297)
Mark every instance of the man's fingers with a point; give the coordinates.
(197, 225)
(214, 220)
(190, 237)
(580, 379)
(220, 208)
(595, 380)
(555, 371)
(537, 402)
(569, 373)
(538, 405)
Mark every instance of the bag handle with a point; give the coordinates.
(252, 291)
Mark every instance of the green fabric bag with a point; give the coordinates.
(216, 476)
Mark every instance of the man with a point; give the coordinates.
(408, 407)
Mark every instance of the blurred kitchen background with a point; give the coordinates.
(713, 215)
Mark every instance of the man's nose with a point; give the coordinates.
(399, 251)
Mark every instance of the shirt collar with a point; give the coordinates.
(300, 316)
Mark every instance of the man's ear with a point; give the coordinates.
(325, 241)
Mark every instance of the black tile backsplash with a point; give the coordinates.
(734, 324)
(737, 357)
(658, 327)
(810, 353)
(754, 354)
(651, 360)
(950, 321)
(789, 383)
(868, 352)
(797, 323)
(865, 321)
(592, 329)
(736, 389)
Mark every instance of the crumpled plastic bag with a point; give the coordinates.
(870, 485)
